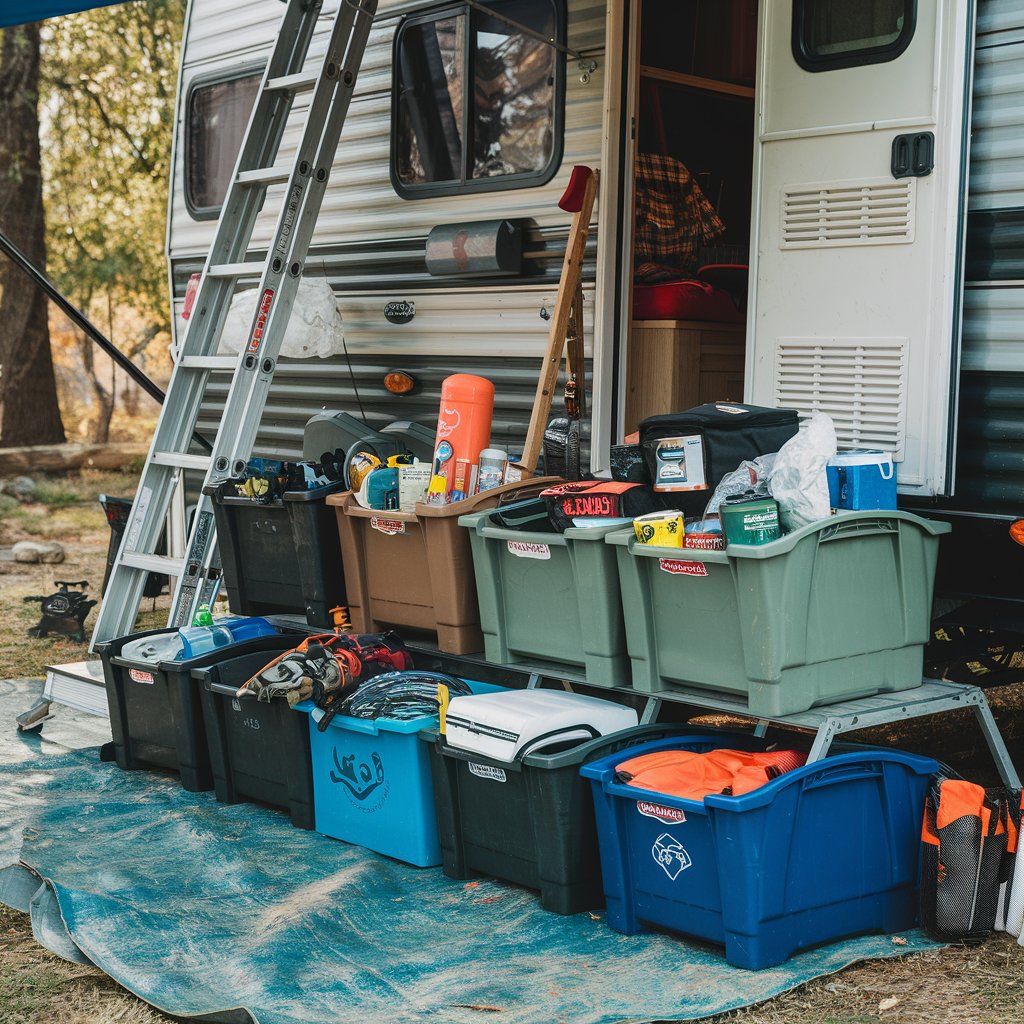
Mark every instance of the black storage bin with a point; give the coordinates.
(118, 511)
(530, 821)
(280, 557)
(699, 446)
(258, 751)
(155, 711)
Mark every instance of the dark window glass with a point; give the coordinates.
(476, 102)
(218, 114)
(845, 33)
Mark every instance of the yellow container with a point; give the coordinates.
(660, 529)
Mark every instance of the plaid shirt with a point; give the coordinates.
(674, 219)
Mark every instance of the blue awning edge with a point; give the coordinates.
(24, 11)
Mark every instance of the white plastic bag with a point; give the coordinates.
(315, 328)
(797, 480)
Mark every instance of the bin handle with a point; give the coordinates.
(835, 774)
(858, 528)
(554, 734)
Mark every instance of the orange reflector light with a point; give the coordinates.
(398, 382)
(1017, 531)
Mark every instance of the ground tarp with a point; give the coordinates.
(25, 11)
(227, 913)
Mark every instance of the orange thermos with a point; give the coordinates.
(463, 431)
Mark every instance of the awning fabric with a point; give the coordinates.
(21, 12)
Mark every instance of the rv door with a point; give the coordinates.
(859, 208)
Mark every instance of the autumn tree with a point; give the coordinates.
(28, 395)
(109, 78)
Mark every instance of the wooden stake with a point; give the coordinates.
(581, 201)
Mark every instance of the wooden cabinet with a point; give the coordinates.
(676, 364)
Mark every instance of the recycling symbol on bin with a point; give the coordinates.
(670, 854)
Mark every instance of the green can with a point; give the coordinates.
(750, 520)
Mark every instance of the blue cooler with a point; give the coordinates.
(862, 479)
(372, 784)
(829, 850)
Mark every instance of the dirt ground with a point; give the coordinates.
(981, 985)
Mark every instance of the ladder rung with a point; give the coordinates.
(208, 362)
(264, 176)
(153, 563)
(298, 82)
(180, 461)
(235, 270)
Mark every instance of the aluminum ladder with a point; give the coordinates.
(331, 85)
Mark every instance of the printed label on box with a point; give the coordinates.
(524, 549)
(485, 771)
(391, 527)
(679, 568)
(669, 815)
(679, 464)
(138, 676)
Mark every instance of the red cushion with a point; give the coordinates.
(685, 300)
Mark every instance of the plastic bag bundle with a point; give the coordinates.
(314, 329)
(750, 475)
(798, 481)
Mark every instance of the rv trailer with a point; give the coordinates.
(855, 176)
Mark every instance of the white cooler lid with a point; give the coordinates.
(501, 725)
(861, 457)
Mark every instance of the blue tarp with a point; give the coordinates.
(229, 914)
(20, 12)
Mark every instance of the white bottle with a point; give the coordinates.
(492, 468)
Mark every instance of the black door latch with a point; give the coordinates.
(913, 156)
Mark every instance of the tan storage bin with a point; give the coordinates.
(414, 570)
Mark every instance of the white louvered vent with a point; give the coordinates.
(851, 213)
(861, 384)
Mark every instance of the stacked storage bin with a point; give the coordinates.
(824, 851)
(259, 750)
(155, 708)
(835, 610)
(414, 569)
(549, 599)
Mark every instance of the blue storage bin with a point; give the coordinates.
(829, 850)
(862, 479)
(372, 784)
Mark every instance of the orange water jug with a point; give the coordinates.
(463, 431)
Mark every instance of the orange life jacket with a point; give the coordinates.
(693, 776)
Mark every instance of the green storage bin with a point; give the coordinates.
(550, 599)
(836, 610)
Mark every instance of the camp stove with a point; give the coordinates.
(63, 613)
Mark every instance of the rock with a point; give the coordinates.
(21, 487)
(48, 552)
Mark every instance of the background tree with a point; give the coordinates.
(28, 396)
(109, 78)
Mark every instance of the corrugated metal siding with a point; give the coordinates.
(370, 244)
(990, 470)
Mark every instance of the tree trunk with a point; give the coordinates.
(29, 413)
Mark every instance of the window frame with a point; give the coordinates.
(495, 183)
(803, 12)
(250, 69)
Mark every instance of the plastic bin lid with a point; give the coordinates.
(506, 726)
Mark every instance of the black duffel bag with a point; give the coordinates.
(686, 454)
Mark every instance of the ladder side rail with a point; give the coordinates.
(178, 416)
(253, 376)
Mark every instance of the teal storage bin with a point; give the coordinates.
(832, 611)
(822, 852)
(549, 599)
(372, 784)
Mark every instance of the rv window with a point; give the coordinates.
(217, 115)
(477, 102)
(829, 34)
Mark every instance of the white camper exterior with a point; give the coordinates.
(860, 303)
